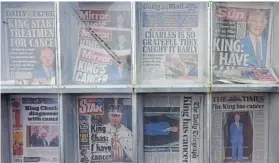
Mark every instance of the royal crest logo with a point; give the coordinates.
(37, 101)
(99, 102)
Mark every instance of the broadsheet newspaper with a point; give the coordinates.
(171, 41)
(239, 128)
(35, 129)
(113, 25)
(28, 55)
(105, 129)
(173, 129)
(241, 44)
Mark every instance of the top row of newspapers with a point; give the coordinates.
(91, 43)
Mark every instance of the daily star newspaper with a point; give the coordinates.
(173, 127)
(112, 23)
(239, 130)
(171, 41)
(29, 44)
(241, 43)
(105, 129)
(35, 129)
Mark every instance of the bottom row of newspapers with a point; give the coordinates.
(173, 128)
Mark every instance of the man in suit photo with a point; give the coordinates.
(42, 142)
(122, 43)
(255, 43)
(120, 20)
(46, 69)
(236, 135)
(34, 137)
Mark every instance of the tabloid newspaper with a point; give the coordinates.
(173, 128)
(239, 128)
(28, 54)
(105, 129)
(171, 41)
(94, 65)
(241, 43)
(35, 129)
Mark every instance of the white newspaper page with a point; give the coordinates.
(30, 44)
(241, 39)
(172, 128)
(171, 42)
(35, 129)
(239, 128)
(105, 130)
(111, 23)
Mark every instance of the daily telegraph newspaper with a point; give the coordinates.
(112, 24)
(173, 129)
(239, 128)
(241, 39)
(171, 41)
(105, 129)
(35, 129)
(29, 36)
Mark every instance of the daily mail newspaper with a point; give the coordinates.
(29, 53)
(239, 128)
(171, 41)
(241, 39)
(105, 129)
(35, 129)
(113, 25)
(173, 129)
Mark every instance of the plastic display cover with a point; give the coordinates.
(173, 128)
(96, 42)
(104, 129)
(28, 54)
(35, 128)
(240, 128)
(172, 40)
(241, 43)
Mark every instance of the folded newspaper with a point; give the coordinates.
(247, 76)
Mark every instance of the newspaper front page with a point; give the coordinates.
(29, 52)
(239, 128)
(173, 129)
(35, 129)
(241, 42)
(171, 41)
(105, 129)
(112, 24)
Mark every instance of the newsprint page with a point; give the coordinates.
(239, 128)
(28, 52)
(35, 129)
(241, 43)
(105, 129)
(173, 128)
(171, 41)
(111, 22)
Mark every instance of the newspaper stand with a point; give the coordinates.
(140, 92)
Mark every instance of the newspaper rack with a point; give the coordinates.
(159, 93)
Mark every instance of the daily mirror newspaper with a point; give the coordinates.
(173, 128)
(111, 22)
(241, 39)
(239, 128)
(171, 41)
(105, 129)
(35, 129)
(29, 43)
